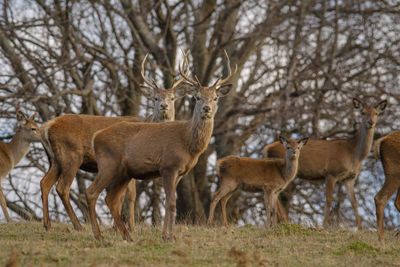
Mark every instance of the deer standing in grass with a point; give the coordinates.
(146, 151)
(273, 175)
(387, 149)
(67, 140)
(11, 153)
(336, 160)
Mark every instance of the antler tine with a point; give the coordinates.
(150, 84)
(155, 84)
(229, 70)
(216, 82)
(176, 83)
(197, 79)
(185, 75)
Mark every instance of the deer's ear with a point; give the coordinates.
(32, 118)
(20, 116)
(224, 89)
(381, 106)
(357, 103)
(148, 92)
(283, 140)
(303, 141)
(182, 89)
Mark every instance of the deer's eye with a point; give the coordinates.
(156, 99)
(216, 99)
(362, 112)
(33, 129)
(172, 98)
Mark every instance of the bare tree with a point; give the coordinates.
(298, 61)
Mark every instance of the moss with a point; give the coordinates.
(359, 248)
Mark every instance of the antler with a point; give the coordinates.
(152, 85)
(187, 71)
(185, 75)
(229, 69)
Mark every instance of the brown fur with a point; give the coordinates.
(336, 160)
(147, 151)
(273, 175)
(11, 153)
(68, 142)
(388, 150)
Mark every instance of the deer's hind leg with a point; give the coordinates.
(224, 192)
(381, 198)
(130, 196)
(115, 193)
(67, 175)
(103, 179)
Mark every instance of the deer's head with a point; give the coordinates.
(206, 97)
(292, 147)
(164, 99)
(369, 114)
(28, 128)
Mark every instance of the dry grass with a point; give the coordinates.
(27, 244)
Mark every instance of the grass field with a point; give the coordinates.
(28, 244)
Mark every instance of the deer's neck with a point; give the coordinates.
(199, 135)
(363, 142)
(160, 116)
(18, 147)
(290, 171)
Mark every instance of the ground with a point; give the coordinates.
(28, 244)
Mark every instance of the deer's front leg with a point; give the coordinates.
(352, 196)
(268, 206)
(330, 186)
(169, 181)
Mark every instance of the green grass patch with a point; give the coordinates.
(359, 248)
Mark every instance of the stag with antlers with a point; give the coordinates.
(67, 141)
(147, 151)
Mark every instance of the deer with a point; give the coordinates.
(387, 149)
(338, 160)
(11, 153)
(146, 151)
(67, 141)
(273, 175)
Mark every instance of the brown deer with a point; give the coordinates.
(11, 153)
(387, 149)
(67, 140)
(336, 160)
(273, 175)
(145, 151)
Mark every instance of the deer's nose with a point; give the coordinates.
(164, 106)
(206, 109)
(370, 122)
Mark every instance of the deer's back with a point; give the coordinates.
(74, 132)
(390, 153)
(319, 158)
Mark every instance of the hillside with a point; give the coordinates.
(285, 245)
